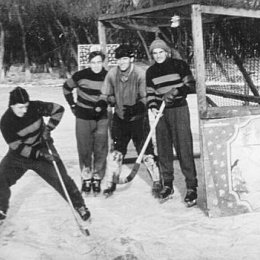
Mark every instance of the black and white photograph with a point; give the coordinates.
(130, 130)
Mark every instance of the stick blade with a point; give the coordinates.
(133, 172)
(83, 226)
(86, 232)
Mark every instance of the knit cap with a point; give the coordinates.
(159, 44)
(18, 95)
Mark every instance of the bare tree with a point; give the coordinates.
(23, 33)
(2, 50)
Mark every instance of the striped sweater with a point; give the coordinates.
(88, 85)
(163, 77)
(24, 134)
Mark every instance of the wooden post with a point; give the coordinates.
(102, 42)
(198, 49)
(102, 37)
(197, 34)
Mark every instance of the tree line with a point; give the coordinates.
(42, 34)
(45, 33)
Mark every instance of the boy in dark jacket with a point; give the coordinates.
(91, 125)
(26, 134)
(171, 80)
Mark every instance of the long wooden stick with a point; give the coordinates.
(84, 230)
(141, 154)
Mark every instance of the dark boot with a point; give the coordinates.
(167, 191)
(191, 197)
(109, 191)
(96, 186)
(86, 186)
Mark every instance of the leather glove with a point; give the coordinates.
(100, 106)
(131, 111)
(73, 109)
(169, 97)
(46, 135)
(111, 100)
(49, 157)
(155, 112)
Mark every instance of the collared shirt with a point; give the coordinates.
(124, 89)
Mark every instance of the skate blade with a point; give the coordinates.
(155, 193)
(96, 194)
(165, 199)
(85, 194)
(90, 194)
(84, 230)
(156, 196)
(108, 195)
(190, 204)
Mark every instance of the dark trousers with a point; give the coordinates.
(92, 143)
(123, 131)
(13, 167)
(174, 129)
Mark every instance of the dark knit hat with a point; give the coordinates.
(123, 51)
(159, 44)
(18, 95)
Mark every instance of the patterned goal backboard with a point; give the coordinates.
(85, 49)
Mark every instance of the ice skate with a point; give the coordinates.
(86, 186)
(2, 215)
(96, 186)
(156, 189)
(110, 190)
(166, 194)
(86, 176)
(84, 213)
(191, 198)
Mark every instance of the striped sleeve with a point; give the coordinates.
(68, 87)
(187, 78)
(22, 137)
(52, 110)
(19, 146)
(152, 96)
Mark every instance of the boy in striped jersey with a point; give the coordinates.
(171, 80)
(91, 125)
(24, 130)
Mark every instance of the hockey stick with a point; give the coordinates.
(141, 154)
(53, 150)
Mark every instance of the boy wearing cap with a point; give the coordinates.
(171, 80)
(125, 88)
(91, 125)
(26, 134)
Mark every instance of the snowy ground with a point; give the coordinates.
(130, 225)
